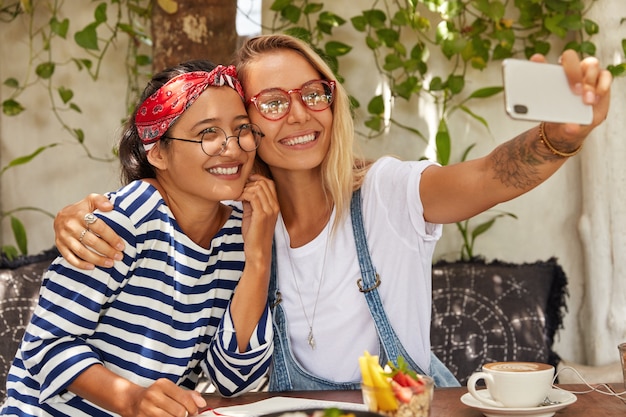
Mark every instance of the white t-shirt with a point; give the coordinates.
(401, 246)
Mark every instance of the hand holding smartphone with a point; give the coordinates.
(540, 92)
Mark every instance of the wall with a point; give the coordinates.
(547, 216)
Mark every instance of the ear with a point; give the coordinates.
(158, 157)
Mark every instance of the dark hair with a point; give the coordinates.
(133, 159)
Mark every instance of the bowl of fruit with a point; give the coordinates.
(395, 391)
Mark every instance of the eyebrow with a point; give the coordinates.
(216, 120)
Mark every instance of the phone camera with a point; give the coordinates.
(520, 109)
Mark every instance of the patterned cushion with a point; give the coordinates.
(20, 281)
(496, 312)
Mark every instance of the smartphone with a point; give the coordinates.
(540, 92)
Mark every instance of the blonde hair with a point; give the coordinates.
(341, 173)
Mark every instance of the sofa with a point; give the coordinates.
(482, 312)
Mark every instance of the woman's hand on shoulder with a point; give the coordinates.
(74, 238)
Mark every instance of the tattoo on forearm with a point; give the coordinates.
(516, 162)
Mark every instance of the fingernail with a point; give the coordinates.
(578, 88)
(118, 257)
(108, 263)
(119, 246)
(590, 97)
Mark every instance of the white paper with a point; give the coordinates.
(277, 404)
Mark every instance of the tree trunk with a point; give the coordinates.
(200, 29)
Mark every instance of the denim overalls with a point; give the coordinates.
(286, 374)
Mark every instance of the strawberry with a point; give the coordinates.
(403, 394)
(405, 377)
(416, 384)
(401, 379)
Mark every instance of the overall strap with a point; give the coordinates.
(368, 285)
(280, 379)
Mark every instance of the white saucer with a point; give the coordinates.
(564, 398)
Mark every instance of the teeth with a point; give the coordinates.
(224, 171)
(300, 140)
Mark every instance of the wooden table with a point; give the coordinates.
(447, 403)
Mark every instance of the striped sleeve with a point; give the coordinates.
(55, 348)
(233, 372)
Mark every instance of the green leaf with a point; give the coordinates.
(467, 152)
(27, 158)
(406, 88)
(327, 21)
(291, 13)
(75, 108)
(494, 10)
(480, 119)
(486, 92)
(143, 59)
(617, 70)
(88, 37)
(313, 8)
(388, 36)
(59, 28)
(371, 42)
(442, 140)
(456, 83)
(452, 46)
(591, 27)
(392, 62)
(334, 48)
(376, 106)
(11, 107)
(588, 48)
(65, 94)
(375, 18)
(80, 135)
(10, 252)
(436, 84)
(482, 228)
(375, 123)
(279, 5)
(12, 82)
(552, 23)
(300, 33)
(19, 232)
(45, 70)
(359, 23)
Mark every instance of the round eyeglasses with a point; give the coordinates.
(214, 140)
(274, 103)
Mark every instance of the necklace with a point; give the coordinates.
(310, 337)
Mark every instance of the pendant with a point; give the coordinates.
(311, 339)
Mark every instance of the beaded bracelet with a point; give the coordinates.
(544, 139)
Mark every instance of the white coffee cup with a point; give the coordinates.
(512, 384)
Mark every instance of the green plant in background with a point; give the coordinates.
(405, 37)
(48, 30)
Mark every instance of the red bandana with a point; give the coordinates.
(159, 111)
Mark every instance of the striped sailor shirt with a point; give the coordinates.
(161, 312)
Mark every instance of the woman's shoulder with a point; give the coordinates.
(390, 168)
(137, 199)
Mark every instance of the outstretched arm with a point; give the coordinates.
(456, 192)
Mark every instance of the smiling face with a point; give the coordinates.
(186, 170)
(301, 139)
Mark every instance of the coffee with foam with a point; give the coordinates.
(517, 366)
(512, 384)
